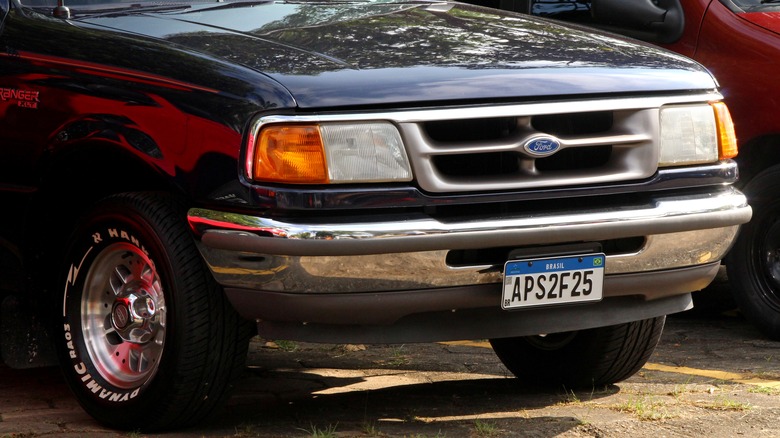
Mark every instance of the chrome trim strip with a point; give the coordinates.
(492, 110)
(673, 213)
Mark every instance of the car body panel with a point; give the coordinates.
(767, 20)
(741, 53)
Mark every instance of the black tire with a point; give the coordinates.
(753, 264)
(581, 359)
(148, 341)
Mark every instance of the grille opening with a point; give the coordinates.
(499, 256)
(469, 165)
(461, 131)
(576, 158)
(563, 125)
(507, 163)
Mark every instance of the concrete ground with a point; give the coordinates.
(712, 374)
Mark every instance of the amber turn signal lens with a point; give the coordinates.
(727, 139)
(290, 154)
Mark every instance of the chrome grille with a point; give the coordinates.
(485, 154)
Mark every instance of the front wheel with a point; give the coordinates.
(753, 264)
(584, 358)
(148, 340)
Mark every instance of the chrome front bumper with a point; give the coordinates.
(269, 255)
(350, 282)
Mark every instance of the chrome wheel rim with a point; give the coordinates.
(123, 315)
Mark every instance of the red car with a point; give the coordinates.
(739, 42)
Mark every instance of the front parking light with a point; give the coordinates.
(290, 153)
(329, 153)
(727, 139)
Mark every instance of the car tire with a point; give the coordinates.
(753, 263)
(148, 340)
(584, 358)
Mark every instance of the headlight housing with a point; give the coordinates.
(695, 134)
(328, 153)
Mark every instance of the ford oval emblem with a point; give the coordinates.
(542, 146)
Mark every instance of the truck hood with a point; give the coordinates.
(335, 54)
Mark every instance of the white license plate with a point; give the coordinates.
(557, 280)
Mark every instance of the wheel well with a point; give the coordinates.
(81, 178)
(758, 155)
(71, 185)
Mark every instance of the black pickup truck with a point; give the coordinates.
(177, 177)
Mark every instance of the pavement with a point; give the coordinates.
(712, 374)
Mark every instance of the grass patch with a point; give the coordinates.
(399, 357)
(243, 430)
(316, 432)
(723, 403)
(644, 408)
(485, 428)
(288, 346)
(369, 428)
(678, 390)
(570, 397)
(763, 390)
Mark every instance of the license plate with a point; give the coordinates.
(558, 280)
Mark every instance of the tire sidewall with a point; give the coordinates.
(581, 359)
(104, 229)
(757, 298)
(554, 366)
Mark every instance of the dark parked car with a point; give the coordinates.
(176, 177)
(739, 42)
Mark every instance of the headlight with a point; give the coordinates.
(328, 153)
(694, 134)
